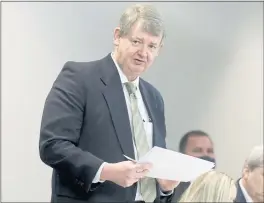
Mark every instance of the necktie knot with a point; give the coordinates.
(131, 88)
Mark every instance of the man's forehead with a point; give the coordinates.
(139, 31)
(145, 35)
(199, 140)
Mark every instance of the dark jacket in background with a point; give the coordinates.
(240, 196)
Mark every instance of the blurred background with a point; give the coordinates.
(210, 73)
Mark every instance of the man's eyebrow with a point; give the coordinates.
(196, 148)
(154, 43)
(138, 38)
(142, 39)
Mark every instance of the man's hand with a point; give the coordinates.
(167, 185)
(124, 173)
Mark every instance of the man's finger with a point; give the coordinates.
(143, 166)
(141, 174)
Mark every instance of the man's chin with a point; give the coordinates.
(137, 70)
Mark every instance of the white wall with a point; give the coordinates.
(234, 115)
(210, 74)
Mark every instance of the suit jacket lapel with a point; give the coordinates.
(115, 99)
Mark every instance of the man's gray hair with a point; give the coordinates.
(151, 19)
(255, 158)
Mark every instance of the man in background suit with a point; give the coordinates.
(99, 111)
(250, 187)
(198, 144)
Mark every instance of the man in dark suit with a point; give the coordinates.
(250, 188)
(99, 111)
(198, 144)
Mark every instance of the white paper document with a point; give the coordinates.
(171, 165)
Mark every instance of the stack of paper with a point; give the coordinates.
(171, 165)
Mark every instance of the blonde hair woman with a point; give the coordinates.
(211, 187)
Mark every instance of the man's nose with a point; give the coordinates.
(143, 51)
(205, 153)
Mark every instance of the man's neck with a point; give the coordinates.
(130, 77)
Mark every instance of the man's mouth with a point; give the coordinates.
(139, 61)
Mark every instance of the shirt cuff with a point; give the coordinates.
(98, 174)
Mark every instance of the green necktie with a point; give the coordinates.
(147, 185)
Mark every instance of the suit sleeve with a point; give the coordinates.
(61, 126)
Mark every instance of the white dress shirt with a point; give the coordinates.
(148, 126)
(245, 193)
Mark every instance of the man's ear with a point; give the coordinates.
(245, 172)
(117, 36)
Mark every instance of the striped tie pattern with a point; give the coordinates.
(147, 185)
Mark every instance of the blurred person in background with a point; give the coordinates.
(250, 186)
(211, 187)
(198, 144)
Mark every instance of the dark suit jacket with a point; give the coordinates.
(178, 192)
(85, 122)
(240, 196)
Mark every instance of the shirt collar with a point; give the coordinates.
(246, 195)
(122, 75)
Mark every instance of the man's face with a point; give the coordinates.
(253, 182)
(136, 51)
(199, 146)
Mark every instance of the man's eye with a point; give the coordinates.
(152, 46)
(197, 150)
(211, 151)
(135, 42)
